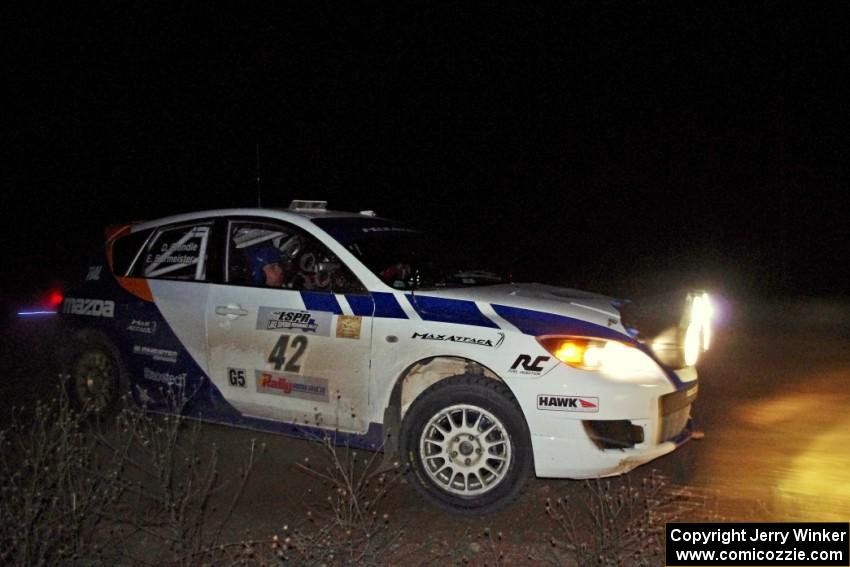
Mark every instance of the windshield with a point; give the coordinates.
(402, 257)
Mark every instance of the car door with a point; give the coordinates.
(296, 353)
(165, 336)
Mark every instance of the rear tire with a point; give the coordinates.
(468, 445)
(95, 378)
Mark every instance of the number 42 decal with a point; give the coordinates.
(278, 356)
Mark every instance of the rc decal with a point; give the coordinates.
(293, 386)
(580, 404)
(294, 321)
(524, 364)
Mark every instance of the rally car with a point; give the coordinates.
(314, 322)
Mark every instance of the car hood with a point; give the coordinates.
(577, 304)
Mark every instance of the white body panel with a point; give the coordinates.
(348, 381)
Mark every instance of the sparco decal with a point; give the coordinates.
(567, 403)
(292, 386)
(525, 365)
(144, 327)
(459, 339)
(178, 380)
(294, 321)
(156, 353)
(93, 307)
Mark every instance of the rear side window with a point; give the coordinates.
(176, 253)
(125, 250)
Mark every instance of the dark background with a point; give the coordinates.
(605, 145)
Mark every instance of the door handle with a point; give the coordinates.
(230, 311)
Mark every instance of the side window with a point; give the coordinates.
(278, 255)
(126, 249)
(176, 253)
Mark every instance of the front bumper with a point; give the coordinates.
(635, 424)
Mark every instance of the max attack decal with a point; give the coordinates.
(145, 327)
(528, 365)
(459, 339)
(567, 403)
(156, 353)
(178, 380)
(294, 321)
(290, 385)
(348, 327)
(93, 307)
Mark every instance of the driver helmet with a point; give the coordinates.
(260, 257)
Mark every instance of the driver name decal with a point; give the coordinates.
(284, 320)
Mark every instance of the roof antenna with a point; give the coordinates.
(259, 200)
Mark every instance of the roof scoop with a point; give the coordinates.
(302, 205)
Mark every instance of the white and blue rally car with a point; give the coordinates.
(309, 321)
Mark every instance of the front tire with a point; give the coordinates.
(468, 445)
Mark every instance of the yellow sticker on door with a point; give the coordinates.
(348, 327)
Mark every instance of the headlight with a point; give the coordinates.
(698, 332)
(611, 357)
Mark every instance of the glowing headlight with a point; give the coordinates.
(698, 332)
(611, 357)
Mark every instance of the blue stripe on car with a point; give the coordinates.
(321, 302)
(443, 310)
(361, 305)
(541, 323)
(386, 305)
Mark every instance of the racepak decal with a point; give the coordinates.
(285, 320)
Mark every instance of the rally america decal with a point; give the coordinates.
(291, 385)
(460, 339)
(567, 403)
(294, 321)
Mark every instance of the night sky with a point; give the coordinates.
(608, 146)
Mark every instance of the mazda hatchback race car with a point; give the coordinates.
(309, 321)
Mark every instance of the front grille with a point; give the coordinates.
(613, 434)
(675, 410)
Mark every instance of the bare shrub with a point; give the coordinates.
(176, 496)
(143, 489)
(620, 522)
(349, 526)
(57, 488)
